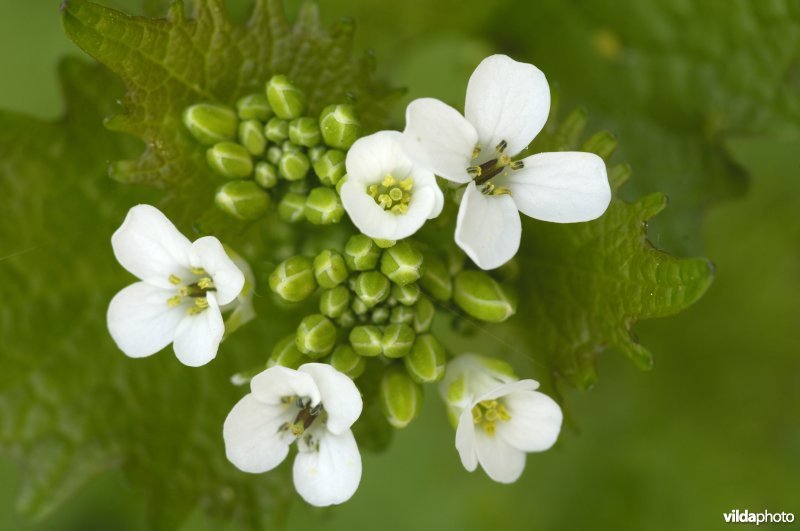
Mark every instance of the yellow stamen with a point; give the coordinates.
(388, 181)
(198, 271)
(475, 152)
(205, 283)
(407, 184)
(172, 302)
(174, 280)
(372, 190)
(488, 413)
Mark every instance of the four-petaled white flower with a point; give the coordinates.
(499, 418)
(315, 406)
(182, 286)
(506, 106)
(386, 195)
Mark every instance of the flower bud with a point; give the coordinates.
(288, 147)
(286, 354)
(402, 315)
(424, 311)
(292, 208)
(323, 206)
(274, 154)
(359, 307)
(400, 397)
(304, 132)
(243, 200)
(251, 136)
(330, 167)
(330, 269)
(316, 336)
(372, 288)
(379, 315)
(210, 123)
(334, 302)
(402, 263)
(293, 279)
(347, 319)
(361, 253)
(254, 107)
(366, 340)
(266, 176)
(426, 361)
(482, 297)
(340, 184)
(315, 153)
(293, 165)
(384, 244)
(340, 126)
(286, 100)
(436, 279)
(406, 295)
(230, 160)
(276, 130)
(344, 359)
(397, 340)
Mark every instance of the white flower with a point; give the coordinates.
(386, 196)
(506, 106)
(499, 417)
(182, 286)
(315, 406)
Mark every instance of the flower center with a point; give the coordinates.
(499, 164)
(305, 417)
(391, 194)
(195, 290)
(489, 412)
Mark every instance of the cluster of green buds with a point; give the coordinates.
(268, 148)
(377, 302)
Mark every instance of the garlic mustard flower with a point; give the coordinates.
(507, 105)
(182, 286)
(387, 196)
(314, 406)
(499, 417)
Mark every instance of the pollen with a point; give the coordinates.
(392, 194)
(172, 302)
(488, 413)
(205, 283)
(174, 280)
(198, 271)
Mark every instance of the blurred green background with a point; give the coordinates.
(699, 102)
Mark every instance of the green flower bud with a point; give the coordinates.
(243, 200)
(340, 184)
(292, 208)
(323, 207)
(315, 153)
(293, 279)
(359, 307)
(230, 160)
(384, 244)
(347, 319)
(210, 123)
(304, 132)
(436, 279)
(402, 315)
(254, 107)
(288, 147)
(286, 100)
(251, 136)
(344, 359)
(330, 167)
(316, 336)
(293, 166)
(330, 269)
(361, 253)
(380, 315)
(372, 288)
(340, 126)
(299, 187)
(286, 354)
(334, 302)
(274, 154)
(424, 311)
(402, 263)
(482, 297)
(266, 176)
(397, 340)
(400, 397)
(366, 340)
(406, 295)
(276, 130)
(426, 361)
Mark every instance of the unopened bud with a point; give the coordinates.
(424, 312)
(330, 167)
(340, 126)
(266, 176)
(426, 361)
(400, 397)
(372, 288)
(243, 200)
(251, 136)
(334, 302)
(287, 101)
(361, 253)
(286, 354)
(210, 123)
(274, 154)
(344, 359)
(292, 208)
(347, 319)
(230, 160)
(304, 132)
(323, 206)
(359, 307)
(288, 147)
(380, 315)
(436, 278)
(482, 297)
(366, 340)
(330, 269)
(293, 279)
(316, 336)
(402, 263)
(397, 340)
(407, 294)
(384, 244)
(402, 315)
(293, 165)
(276, 130)
(254, 107)
(315, 153)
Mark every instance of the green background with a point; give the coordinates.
(713, 427)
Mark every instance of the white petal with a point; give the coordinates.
(535, 421)
(507, 100)
(271, 385)
(465, 440)
(422, 205)
(373, 157)
(140, 321)
(425, 179)
(439, 138)
(365, 213)
(253, 442)
(208, 253)
(501, 461)
(508, 388)
(338, 393)
(198, 336)
(565, 187)
(331, 475)
(149, 246)
(488, 228)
